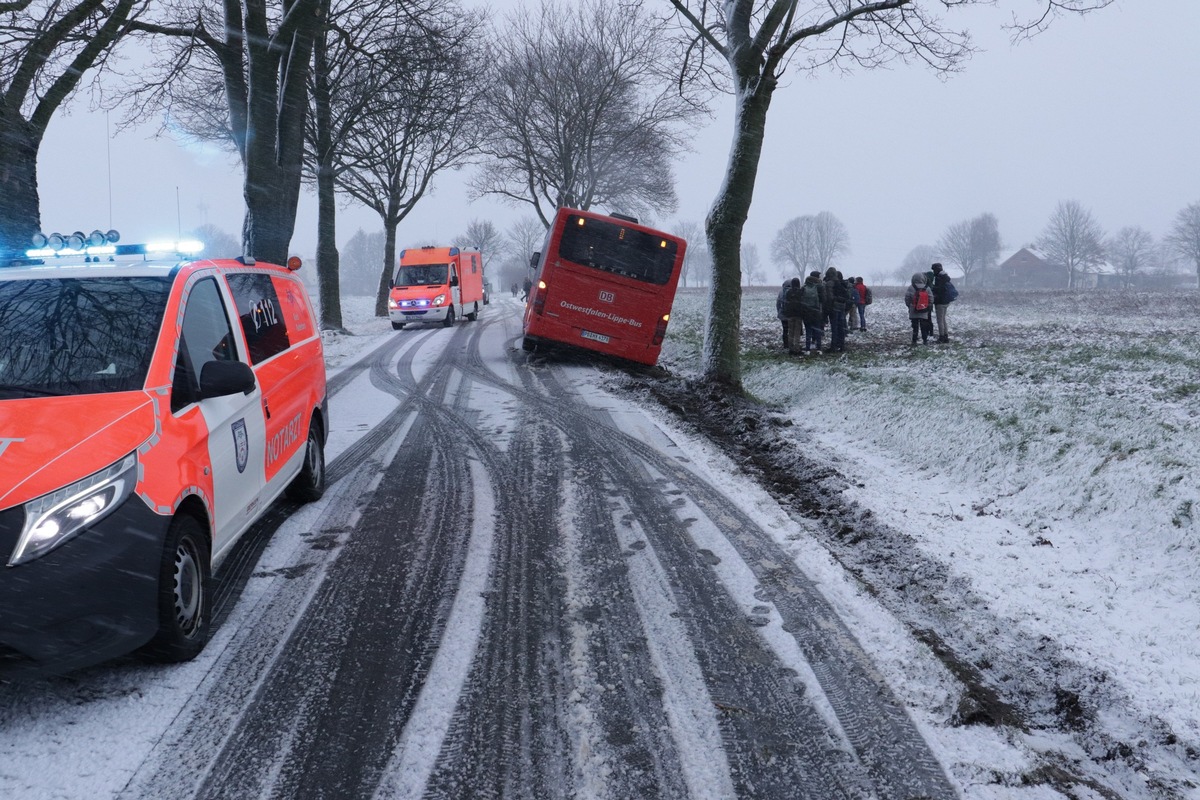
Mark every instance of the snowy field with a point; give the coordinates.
(1048, 457)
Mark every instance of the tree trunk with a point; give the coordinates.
(389, 262)
(722, 349)
(328, 262)
(20, 209)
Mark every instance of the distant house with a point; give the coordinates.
(1027, 268)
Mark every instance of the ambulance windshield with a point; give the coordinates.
(422, 275)
(64, 336)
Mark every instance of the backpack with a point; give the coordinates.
(868, 299)
(951, 292)
(810, 298)
(921, 300)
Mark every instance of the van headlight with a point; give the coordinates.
(58, 517)
(441, 298)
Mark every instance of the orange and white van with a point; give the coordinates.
(150, 412)
(436, 284)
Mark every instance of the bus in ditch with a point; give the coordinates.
(603, 283)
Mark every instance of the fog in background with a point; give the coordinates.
(1103, 109)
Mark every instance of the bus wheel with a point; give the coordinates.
(183, 593)
(474, 315)
(397, 326)
(449, 320)
(528, 345)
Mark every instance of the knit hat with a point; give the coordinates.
(918, 279)
(814, 274)
(937, 266)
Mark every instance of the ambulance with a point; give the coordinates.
(152, 407)
(436, 284)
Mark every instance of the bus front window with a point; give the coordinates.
(617, 249)
(422, 275)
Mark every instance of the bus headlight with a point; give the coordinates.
(58, 517)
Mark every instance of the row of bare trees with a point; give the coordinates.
(1072, 239)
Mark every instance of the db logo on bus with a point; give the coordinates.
(607, 297)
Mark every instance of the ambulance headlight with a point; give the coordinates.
(393, 303)
(441, 298)
(58, 517)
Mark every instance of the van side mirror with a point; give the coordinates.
(221, 378)
(535, 258)
(454, 280)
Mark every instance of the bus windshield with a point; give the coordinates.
(422, 275)
(617, 249)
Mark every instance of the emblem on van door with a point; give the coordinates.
(241, 444)
(607, 297)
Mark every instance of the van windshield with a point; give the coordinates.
(65, 336)
(422, 275)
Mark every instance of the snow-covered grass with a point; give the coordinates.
(1048, 456)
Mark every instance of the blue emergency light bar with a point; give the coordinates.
(99, 243)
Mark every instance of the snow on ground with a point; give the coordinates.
(1048, 456)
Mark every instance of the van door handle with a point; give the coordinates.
(266, 408)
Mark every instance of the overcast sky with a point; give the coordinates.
(1103, 109)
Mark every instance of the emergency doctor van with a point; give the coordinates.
(150, 411)
(436, 284)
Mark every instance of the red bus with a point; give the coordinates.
(603, 283)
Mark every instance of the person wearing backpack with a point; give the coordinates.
(791, 308)
(919, 300)
(783, 320)
(813, 303)
(944, 294)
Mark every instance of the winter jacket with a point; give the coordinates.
(860, 294)
(941, 282)
(793, 302)
(814, 313)
(779, 300)
(837, 296)
(918, 282)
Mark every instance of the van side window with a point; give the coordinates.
(260, 314)
(473, 269)
(206, 336)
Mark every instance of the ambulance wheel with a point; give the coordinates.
(474, 314)
(309, 483)
(449, 320)
(184, 592)
(528, 345)
(397, 326)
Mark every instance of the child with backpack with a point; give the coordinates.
(919, 300)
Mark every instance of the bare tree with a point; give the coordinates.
(583, 112)
(753, 269)
(1184, 236)
(1073, 239)
(217, 243)
(256, 54)
(691, 232)
(917, 260)
(484, 236)
(973, 245)
(46, 48)
(755, 42)
(1131, 251)
(812, 242)
(360, 258)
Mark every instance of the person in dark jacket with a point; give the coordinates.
(941, 301)
(792, 309)
(813, 302)
(837, 302)
(779, 309)
(921, 324)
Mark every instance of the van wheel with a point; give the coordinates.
(474, 314)
(397, 326)
(309, 483)
(184, 579)
(528, 345)
(449, 320)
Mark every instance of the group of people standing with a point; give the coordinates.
(805, 308)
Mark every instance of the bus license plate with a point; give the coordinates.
(595, 337)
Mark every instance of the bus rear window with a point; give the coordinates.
(617, 249)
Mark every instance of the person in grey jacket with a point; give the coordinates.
(919, 300)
